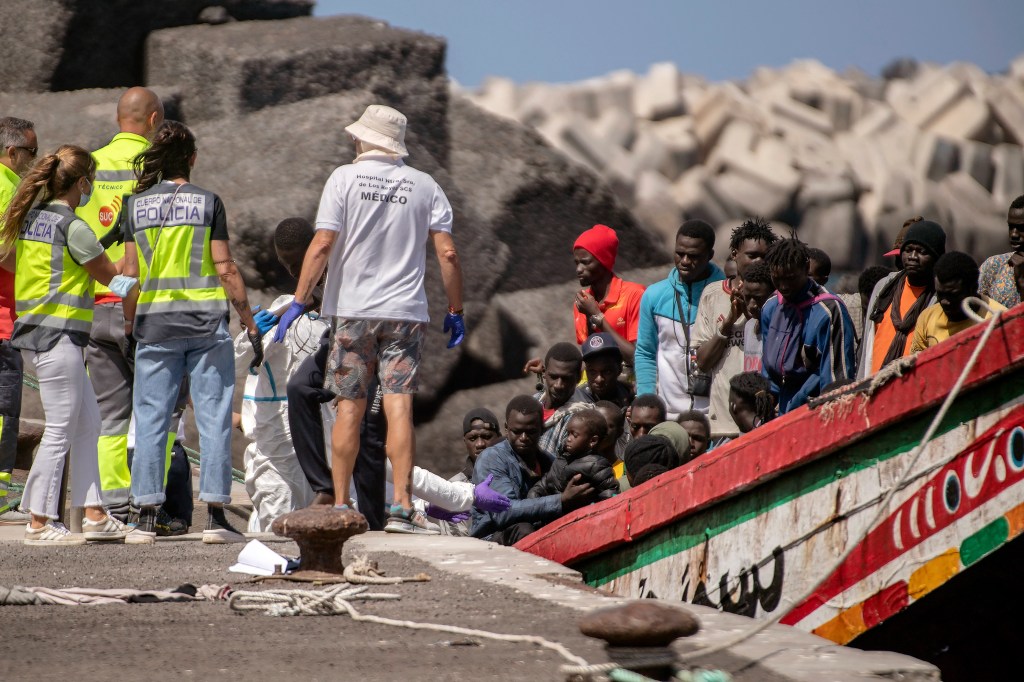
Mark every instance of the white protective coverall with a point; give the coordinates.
(430, 488)
(273, 477)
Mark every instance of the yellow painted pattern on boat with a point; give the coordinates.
(844, 627)
(934, 573)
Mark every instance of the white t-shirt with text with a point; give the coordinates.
(383, 212)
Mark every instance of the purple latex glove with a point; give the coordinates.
(440, 513)
(486, 498)
(293, 313)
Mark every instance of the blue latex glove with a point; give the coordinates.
(265, 321)
(486, 498)
(454, 323)
(295, 310)
(122, 284)
(440, 513)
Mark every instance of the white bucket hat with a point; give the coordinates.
(382, 127)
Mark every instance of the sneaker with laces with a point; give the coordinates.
(168, 526)
(219, 530)
(53, 533)
(14, 517)
(141, 527)
(108, 529)
(409, 521)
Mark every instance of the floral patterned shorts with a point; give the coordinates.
(360, 348)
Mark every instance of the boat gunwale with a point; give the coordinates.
(764, 454)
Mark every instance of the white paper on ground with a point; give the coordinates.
(258, 559)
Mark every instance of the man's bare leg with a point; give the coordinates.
(400, 444)
(345, 445)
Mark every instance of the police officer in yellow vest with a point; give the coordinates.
(139, 113)
(18, 147)
(176, 242)
(58, 259)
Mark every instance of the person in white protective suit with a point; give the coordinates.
(273, 477)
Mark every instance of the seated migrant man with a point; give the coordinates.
(956, 278)
(516, 464)
(562, 397)
(808, 334)
(645, 412)
(480, 431)
(697, 427)
(602, 361)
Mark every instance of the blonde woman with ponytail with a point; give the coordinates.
(58, 259)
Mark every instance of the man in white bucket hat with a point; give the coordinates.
(375, 219)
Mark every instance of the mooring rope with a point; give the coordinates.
(337, 601)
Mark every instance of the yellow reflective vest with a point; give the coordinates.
(54, 294)
(181, 294)
(115, 178)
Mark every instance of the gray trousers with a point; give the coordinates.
(111, 379)
(11, 375)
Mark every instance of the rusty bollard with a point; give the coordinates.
(320, 532)
(641, 631)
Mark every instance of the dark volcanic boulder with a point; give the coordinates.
(72, 44)
(87, 118)
(245, 67)
(439, 446)
(537, 200)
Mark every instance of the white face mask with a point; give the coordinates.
(85, 197)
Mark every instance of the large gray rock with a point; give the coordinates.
(536, 201)
(439, 445)
(519, 325)
(72, 44)
(244, 67)
(83, 117)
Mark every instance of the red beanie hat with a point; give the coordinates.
(602, 242)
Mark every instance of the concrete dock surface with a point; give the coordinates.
(473, 584)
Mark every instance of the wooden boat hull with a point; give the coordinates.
(750, 527)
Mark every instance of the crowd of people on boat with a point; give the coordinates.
(118, 280)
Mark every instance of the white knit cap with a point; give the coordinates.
(382, 127)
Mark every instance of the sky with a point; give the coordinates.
(570, 40)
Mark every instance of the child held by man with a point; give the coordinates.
(581, 457)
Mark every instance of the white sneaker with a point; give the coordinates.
(53, 533)
(219, 530)
(141, 529)
(410, 522)
(107, 529)
(14, 517)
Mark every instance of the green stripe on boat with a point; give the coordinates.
(691, 531)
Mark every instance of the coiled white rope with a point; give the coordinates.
(362, 571)
(326, 602)
(337, 600)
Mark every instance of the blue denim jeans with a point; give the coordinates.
(159, 369)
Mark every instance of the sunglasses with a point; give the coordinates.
(32, 151)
